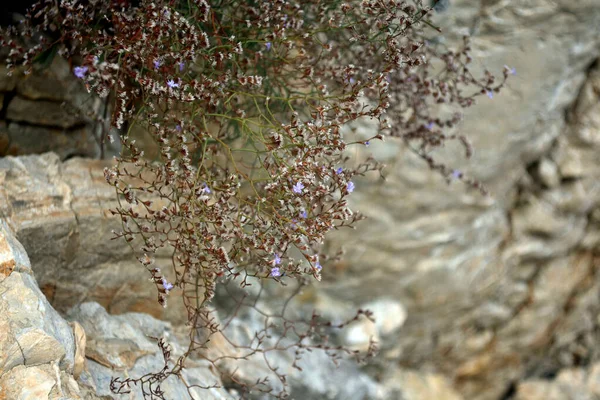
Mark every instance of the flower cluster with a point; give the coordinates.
(247, 103)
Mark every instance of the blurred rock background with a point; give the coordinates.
(485, 298)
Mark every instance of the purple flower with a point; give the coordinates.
(156, 64)
(166, 285)
(512, 71)
(339, 170)
(178, 127)
(275, 272)
(318, 266)
(205, 188)
(181, 66)
(303, 214)
(456, 174)
(367, 143)
(268, 45)
(352, 81)
(350, 187)
(429, 126)
(490, 94)
(297, 188)
(172, 84)
(80, 72)
(276, 259)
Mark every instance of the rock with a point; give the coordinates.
(80, 343)
(412, 385)
(389, 315)
(586, 113)
(121, 343)
(37, 382)
(548, 172)
(59, 212)
(31, 331)
(576, 383)
(360, 334)
(27, 139)
(51, 83)
(8, 83)
(37, 349)
(42, 112)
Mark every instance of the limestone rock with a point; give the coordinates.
(80, 343)
(49, 84)
(29, 139)
(43, 112)
(548, 172)
(412, 385)
(8, 83)
(576, 383)
(121, 343)
(31, 331)
(37, 349)
(60, 213)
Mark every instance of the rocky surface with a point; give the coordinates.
(49, 110)
(60, 214)
(506, 287)
(476, 298)
(37, 346)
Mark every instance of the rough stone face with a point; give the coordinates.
(22, 139)
(7, 83)
(52, 83)
(49, 110)
(60, 213)
(495, 292)
(37, 349)
(42, 112)
(490, 284)
(574, 383)
(119, 345)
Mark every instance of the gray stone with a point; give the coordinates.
(122, 343)
(548, 172)
(8, 83)
(60, 213)
(43, 112)
(31, 331)
(27, 139)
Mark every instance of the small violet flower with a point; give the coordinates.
(178, 128)
(297, 188)
(276, 259)
(318, 266)
(350, 187)
(456, 174)
(181, 66)
(156, 64)
(205, 188)
(172, 84)
(166, 285)
(512, 71)
(268, 46)
(429, 126)
(490, 94)
(303, 214)
(80, 72)
(339, 170)
(367, 143)
(275, 272)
